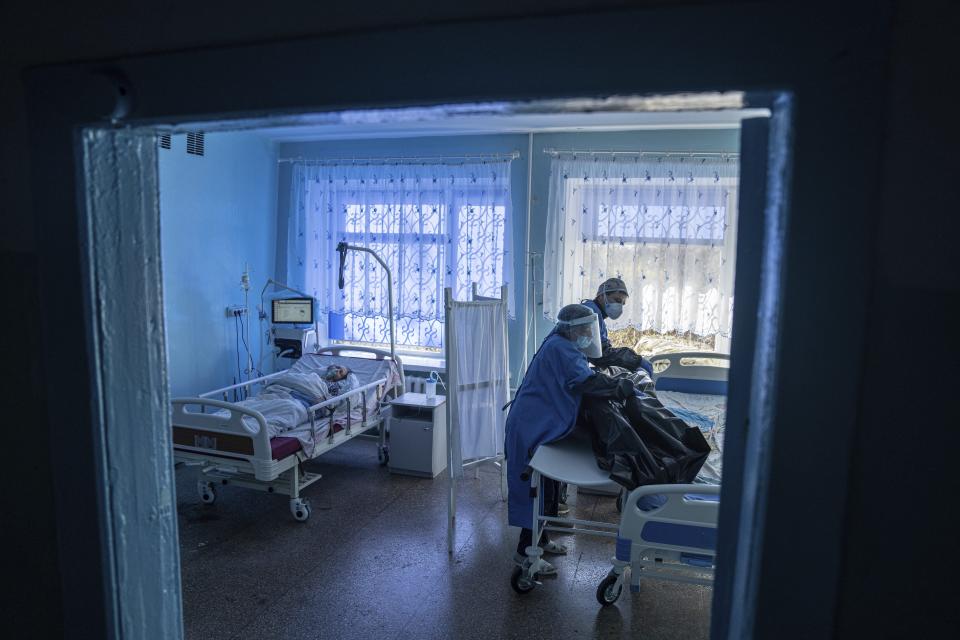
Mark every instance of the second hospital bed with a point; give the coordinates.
(666, 532)
(232, 443)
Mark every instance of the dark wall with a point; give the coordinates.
(903, 481)
(27, 525)
(900, 469)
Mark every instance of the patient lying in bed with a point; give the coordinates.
(285, 402)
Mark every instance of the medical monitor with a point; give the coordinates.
(293, 311)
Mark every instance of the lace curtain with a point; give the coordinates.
(666, 225)
(436, 225)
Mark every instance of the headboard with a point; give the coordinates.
(346, 350)
(691, 372)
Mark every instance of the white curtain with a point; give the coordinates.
(665, 224)
(436, 225)
(479, 369)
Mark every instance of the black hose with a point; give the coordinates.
(342, 250)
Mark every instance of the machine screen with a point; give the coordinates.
(293, 311)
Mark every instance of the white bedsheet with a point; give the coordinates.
(287, 416)
(713, 407)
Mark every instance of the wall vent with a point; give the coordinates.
(195, 143)
(164, 140)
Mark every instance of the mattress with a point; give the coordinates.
(286, 417)
(714, 409)
(281, 447)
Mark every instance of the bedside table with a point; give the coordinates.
(418, 435)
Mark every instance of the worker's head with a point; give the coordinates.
(580, 325)
(611, 294)
(335, 373)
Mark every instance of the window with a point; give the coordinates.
(435, 226)
(666, 227)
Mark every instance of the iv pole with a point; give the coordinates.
(342, 249)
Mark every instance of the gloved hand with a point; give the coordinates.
(647, 366)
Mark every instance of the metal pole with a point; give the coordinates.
(528, 307)
(393, 339)
(401, 159)
(451, 413)
(602, 152)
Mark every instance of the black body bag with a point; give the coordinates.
(640, 442)
(622, 357)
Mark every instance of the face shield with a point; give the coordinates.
(583, 332)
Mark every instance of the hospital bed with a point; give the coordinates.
(231, 442)
(666, 532)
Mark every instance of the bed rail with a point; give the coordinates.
(691, 372)
(203, 432)
(681, 506)
(241, 385)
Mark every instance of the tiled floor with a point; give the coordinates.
(372, 563)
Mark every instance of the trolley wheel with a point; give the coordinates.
(608, 592)
(207, 494)
(383, 456)
(300, 510)
(521, 584)
(620, 501)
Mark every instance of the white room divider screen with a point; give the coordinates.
(478, 386)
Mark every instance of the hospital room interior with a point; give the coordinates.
(451, 378)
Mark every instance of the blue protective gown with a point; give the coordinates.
(601, 316)
(604, 342)
(544, 410)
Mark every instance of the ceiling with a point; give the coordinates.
(494, 123)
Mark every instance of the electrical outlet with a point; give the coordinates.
(235, 310)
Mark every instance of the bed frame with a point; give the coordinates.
(229, 452)
(676, 541)
(691, 372)
(688, 513)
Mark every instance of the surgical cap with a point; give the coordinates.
(612, 285)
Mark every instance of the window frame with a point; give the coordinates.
(450, 228)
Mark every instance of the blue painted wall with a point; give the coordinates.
(651, 140)
(217, 212)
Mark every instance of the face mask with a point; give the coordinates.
(614, 309)
(583, 342)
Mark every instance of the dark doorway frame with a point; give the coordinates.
(73, 107)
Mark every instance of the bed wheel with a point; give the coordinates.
(608, 592)
(207, 494)
(620, 501)
(300, 509)
(383, 455)
(520, 583)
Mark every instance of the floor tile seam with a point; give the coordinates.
(422, 607)
(309, 570)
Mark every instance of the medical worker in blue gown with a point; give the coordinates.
(611, 296)
(545, 410)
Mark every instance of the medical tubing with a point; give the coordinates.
(435, 377)
(244, 328)
(342, 250)
(236, 335)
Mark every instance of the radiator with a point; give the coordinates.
(415, 384)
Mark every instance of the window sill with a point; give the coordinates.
(417, 361)
(422, 363)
